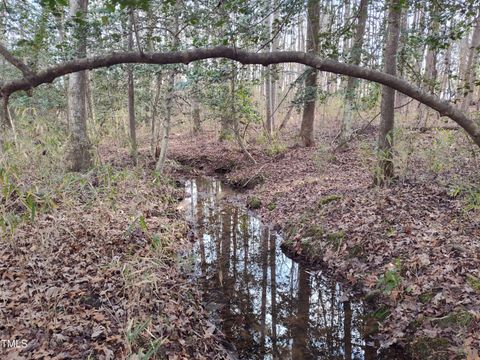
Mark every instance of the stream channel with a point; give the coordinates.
(268, 305)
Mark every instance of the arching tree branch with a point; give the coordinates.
(246, 57)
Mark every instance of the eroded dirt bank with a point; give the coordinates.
(412, 246)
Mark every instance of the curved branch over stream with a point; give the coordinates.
(246, 57)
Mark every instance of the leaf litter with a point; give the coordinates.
(104, 275)
(411, 242)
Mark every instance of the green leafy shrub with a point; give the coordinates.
(391, 279)
(275, 147)
(254, 203)
(328, 199)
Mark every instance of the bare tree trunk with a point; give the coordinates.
(470, 70)
(420, 25)
(5, 121)
(61, 38)
(166, 122)
(80, 154)
(385, 139)
(196, 115)
(153, 122)
(273, 99)
(169, 100)
(89, 98)
(463, 48)
(197, 123)
(131, 93)
(5, 117)
(300, 41)
(307, 135)
(430, 75)
(355, 57)
(445, 86)
(268, 84)
(401, 99)
(225, 130)
(268, 102)
(287, 117)
(271, 90)
(156, 86)
(430, 78)
(347, 6)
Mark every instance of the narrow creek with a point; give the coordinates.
(268, 305)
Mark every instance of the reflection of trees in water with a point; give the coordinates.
(300, 326)
(263, 307)
(272, 307)
(347, 329)
(273, 290)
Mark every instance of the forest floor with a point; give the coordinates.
(93, 268)
(94, 264)
(412, 246)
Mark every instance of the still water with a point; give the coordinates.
(268, 306)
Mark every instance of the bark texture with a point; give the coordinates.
(271, 90)
(472, 62)
(153, 120)
(307, 135)
(131, 93)
(159, 167)
(430, 74)
(268, 102)
(80, 155)
(166, 122)
(385, 138)
(197, 123)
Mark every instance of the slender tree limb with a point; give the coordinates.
(135, 28)
(256, 174)
(444, 108)
(6, 7)
(286, 117)
(19, 64)
(292, 85)
(277, 31)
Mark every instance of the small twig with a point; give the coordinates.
(278, 30)
(178, 96)
(245, 130)
(6, 7)
(256, 173)
(292, 85)
(363, 128)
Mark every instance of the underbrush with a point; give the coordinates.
(273, 145)
(94, 262)
(446, 158)
(34, 179)
(398, 241)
